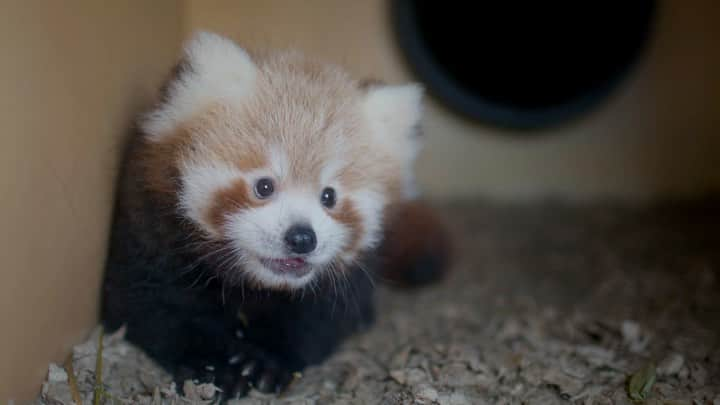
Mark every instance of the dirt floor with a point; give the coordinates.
(546, 304)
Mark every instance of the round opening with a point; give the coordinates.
(522, 64)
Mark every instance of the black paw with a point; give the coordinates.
(256, 368)
(235, 376)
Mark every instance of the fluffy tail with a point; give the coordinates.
(416, 249)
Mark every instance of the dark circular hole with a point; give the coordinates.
(519, 63)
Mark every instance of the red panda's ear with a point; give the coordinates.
(393, 113)
(215, 69)
(395, 110)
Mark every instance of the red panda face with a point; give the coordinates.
(288, 163)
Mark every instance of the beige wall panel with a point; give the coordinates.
(71, 76)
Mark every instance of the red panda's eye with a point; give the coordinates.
(328, 198)
(264, 188)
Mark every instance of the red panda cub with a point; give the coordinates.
(257, 201)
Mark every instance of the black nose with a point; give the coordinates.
(301, 239)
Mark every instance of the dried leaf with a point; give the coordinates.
(641, 383)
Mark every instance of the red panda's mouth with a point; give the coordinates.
(291, 266)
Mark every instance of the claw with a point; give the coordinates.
(244, 368)
(234, 360)
(249, 368)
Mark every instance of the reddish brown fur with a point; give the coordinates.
(223, 146)
(235, 197)
(417, 246)
(348, 215)
(159, 162)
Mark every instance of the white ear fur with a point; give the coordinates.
(394, 109)
(394, 113)
(218, 71)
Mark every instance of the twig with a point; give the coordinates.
(72, 381)
(99, 390)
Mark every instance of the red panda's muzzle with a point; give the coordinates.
(291, 266)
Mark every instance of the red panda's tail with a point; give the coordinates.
(417, 248)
